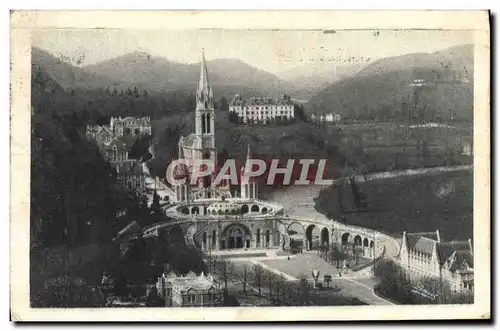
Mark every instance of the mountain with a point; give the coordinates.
(457, 59)
(65, 74)
(227, 76)
(383, 90)
(318, 75)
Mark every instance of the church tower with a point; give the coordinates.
(205, 116)
(182, 191)
(248, 186)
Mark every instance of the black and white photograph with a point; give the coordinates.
(225, 168)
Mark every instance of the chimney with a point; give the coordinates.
(438, 236)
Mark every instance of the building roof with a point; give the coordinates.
(452, 254)
(457, 249)
(424, 245)
(422, 241)
(190, 281)
(131, 121)
(459, 260)
(256, 101)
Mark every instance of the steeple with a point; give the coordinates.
(249, 157)
(204, 96)
(247, 167)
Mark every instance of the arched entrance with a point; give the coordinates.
(235, 236)
(365, 242)
(325, 237)
(346, 238)
(312, 236)
(357, 240)
(195, 210)
(255, 208)
(296, 234)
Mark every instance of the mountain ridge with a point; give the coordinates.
(382, 89)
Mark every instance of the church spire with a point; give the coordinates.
(204, 96)
(249, 156)
(247, 166)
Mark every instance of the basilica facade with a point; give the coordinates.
(216, 219)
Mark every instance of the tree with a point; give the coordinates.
(358, 251)
(304, 291)
(245, 276)
(327, 279)
(225, 269)
(233, 117)
(155, 205)
(223, 104)
(258, 277)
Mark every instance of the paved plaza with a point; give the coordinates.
(358, 284)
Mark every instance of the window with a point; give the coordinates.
(191, 298)
(169, 292)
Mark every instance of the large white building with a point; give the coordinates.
(262, 110)
(423, 254)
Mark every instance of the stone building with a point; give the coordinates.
(119, 127)
(263, 110)
(423, 254)
(190, 290)
(129, 176)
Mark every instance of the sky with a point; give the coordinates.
(273, 51)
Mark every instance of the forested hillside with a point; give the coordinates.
(71, 199)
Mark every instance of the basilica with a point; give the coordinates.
(215, 219)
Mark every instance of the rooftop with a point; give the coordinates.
(200, 282)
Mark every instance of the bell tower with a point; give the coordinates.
(205, 116)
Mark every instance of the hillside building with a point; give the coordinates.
(115, 146)
(423, 254)
(263, 110)
(119, 127)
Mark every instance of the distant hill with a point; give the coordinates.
(158, 74)
(457, 59)
(228, 76)
(318, 75)
(383, 90)
(65, 74)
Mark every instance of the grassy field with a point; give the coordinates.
(415, 203)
